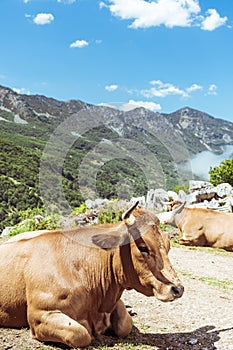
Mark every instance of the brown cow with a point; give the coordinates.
(66, 285)
(202, 227)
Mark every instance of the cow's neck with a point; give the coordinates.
(112, 283)
(178, 219)
(122, 274)
(126, 274)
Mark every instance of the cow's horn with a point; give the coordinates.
(168, 216)
(127, 213)
(177, 210)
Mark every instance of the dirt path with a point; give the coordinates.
(201, 320)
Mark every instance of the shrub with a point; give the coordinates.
(33, 220)
(109, 215)
(184, 187)
(80, 210)
(222, 173)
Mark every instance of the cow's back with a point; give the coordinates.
(45, 266)
(12, 285)
(219, 230)
(206, 227)
(22, 258)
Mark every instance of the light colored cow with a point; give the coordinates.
(66, 285)
(202, 227)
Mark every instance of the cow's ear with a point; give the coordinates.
(127, 216)
(112, 240)
(106, 241)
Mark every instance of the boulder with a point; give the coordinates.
(93, 204)
(6, 231)
(156, 199)
(223, 190)
(202, 194)
(198, 185)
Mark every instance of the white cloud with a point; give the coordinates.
(111, 87)
(102, 5)
(43, 18)
(111, 105)
(154, 13)
(132, 104)
(161, 89)
(79, 43)
(212, 90)
(66, 1)
(26, 1)
(21, 91)
(135, 104)
(158, 89)
(194, 87)
(213, 20)
(171, 13)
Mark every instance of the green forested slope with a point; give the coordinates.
(27, 123)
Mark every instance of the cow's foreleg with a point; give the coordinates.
(121, 321)
(55, 326)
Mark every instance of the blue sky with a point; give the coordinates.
(161, 54)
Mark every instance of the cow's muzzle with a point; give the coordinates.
(169, 292)
(177, 291)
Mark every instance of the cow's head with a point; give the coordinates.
(144, 256)
(169, 217)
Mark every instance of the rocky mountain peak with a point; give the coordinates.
(199, 130)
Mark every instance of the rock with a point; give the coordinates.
(191, 198)
(141, 200)
(173, 196)
(223, 190)
(192, 341)
(201, 191)
(213, 204)
(205, 194)
(156, 199)
(198, 185)
(92, 204)
(6, 231)
(38, 218)
(182, 196)
(202, 194)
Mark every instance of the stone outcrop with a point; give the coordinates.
(201, 194)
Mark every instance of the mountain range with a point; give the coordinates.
(95, 150)
(39, 112)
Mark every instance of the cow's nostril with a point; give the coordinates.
(177, 291)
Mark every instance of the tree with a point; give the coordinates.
(222, 173)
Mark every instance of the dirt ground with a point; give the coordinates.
(201, 320)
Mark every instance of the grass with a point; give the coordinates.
(225, 284)
(215, 251)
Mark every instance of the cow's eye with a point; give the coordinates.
(144, 249)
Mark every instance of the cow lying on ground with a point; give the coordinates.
(202, 227)
(66, 285)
